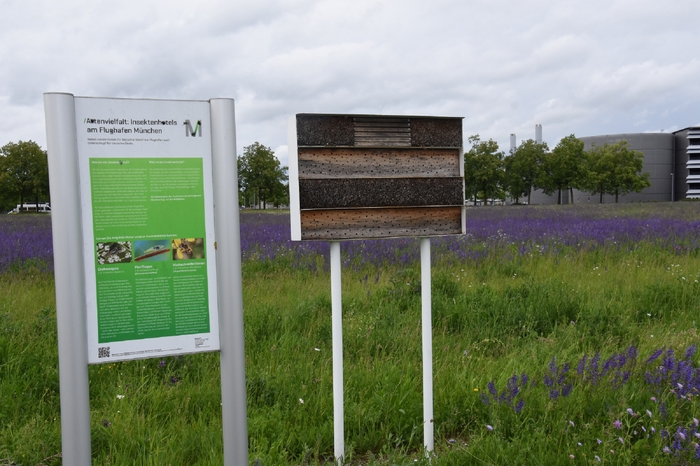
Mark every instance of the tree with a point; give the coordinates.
(615, 169)
(523, 168)
(261, 177)
(24, 172)
(483, 169)
(564, 168)
(471, 189)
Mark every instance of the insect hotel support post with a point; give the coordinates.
(356, 177)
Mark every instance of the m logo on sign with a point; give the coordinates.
(193, 132)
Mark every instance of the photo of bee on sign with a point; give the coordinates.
(188, 248)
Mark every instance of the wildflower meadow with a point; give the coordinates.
(561, 334)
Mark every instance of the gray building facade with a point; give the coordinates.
(688, 161)
(671, 159)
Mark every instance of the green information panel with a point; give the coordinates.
(150, 249)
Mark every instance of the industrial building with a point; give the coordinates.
(671, 159)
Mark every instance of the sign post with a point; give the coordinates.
(427, 339)
(337, 337)
(228, 233)
(70, 285)
(369, 176)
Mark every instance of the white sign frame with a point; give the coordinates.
(111, 129)
(64, 174)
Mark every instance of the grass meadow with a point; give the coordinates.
(561, 335)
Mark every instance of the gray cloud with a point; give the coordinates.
(579, 67)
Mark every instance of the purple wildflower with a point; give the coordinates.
(492, 388)
(519, 406)
(581, 366)
(655, 355)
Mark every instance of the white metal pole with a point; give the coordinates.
(71, 311)
(229, 282)
(337, 337)
(427, 326)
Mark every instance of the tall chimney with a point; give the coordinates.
(512, 142)
(538, 133)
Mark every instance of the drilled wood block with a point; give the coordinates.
(380, 192)
(436, 132)
(325, 130)
(378, 163)
(333, 225)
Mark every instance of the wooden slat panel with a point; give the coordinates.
(391, 132)
(375, 141)
(377, 163)
(380, 192)
(380, 223)
(381, 121)
(381, 128)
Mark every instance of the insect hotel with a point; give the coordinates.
(362, 176)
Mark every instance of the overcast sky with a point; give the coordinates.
(585, 67)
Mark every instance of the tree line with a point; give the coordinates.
(24, 176)
(489, 174)
(611, 169)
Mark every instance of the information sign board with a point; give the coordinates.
(148, 227)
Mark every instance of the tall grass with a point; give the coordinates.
(536, 313)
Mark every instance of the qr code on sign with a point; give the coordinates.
(103, 352)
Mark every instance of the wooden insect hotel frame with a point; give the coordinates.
(371, 176)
